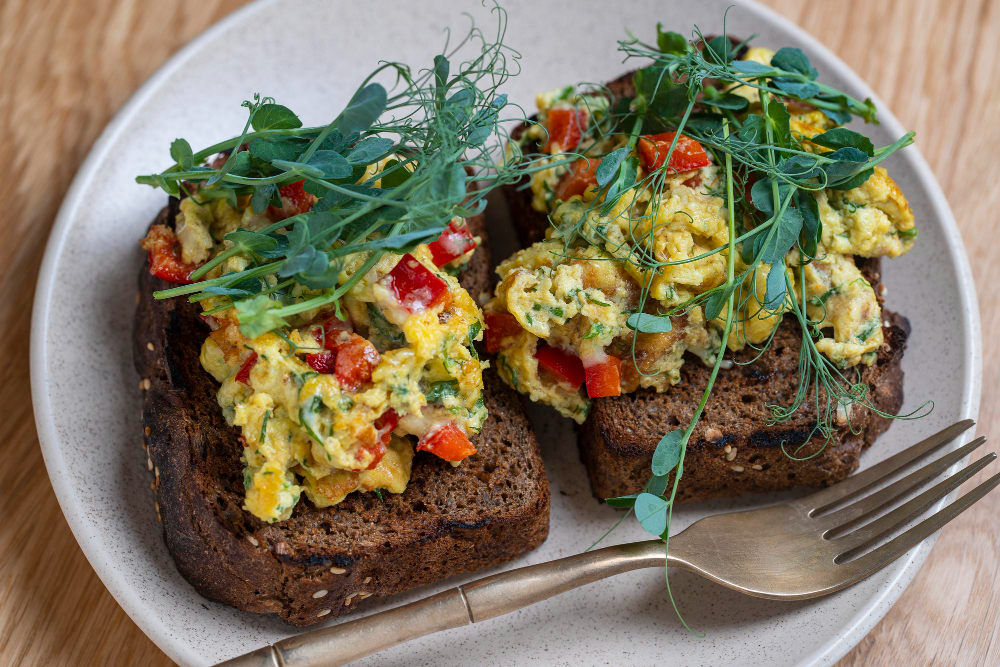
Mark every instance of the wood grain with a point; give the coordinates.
(68, 66)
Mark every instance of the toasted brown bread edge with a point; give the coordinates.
(726, 456)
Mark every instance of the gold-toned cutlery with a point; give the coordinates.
(805, 548)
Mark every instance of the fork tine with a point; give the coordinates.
(855, 484)
(864, 507)
(864, 536)
(893, 549)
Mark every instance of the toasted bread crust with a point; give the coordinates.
(326, 561)
(733, 450)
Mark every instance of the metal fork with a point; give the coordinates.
(806, 548)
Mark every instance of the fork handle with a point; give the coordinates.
(470, 603)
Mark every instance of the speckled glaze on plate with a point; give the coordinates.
(87, 404)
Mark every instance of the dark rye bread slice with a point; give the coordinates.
(733, 450)
(323, 562)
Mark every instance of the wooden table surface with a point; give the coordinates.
(66, 68)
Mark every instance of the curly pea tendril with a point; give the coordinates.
(389, 171)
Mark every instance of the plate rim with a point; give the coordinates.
(864, 620)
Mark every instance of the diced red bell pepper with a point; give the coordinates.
(455, 241)
(164, 252)
(384, 427)
(322, 362)
(386, 424)
(377, 449)
(498, 327)
(327, 335)
(355, 361)
(688, 154)
(371, 441)
(415, 286)
(566, 126)
(294, 200)
(562, 364)
(582, 175)
(604, 378)
(243, 375)
(447, 442)
(351, 360)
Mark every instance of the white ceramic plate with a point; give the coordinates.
(310, 55)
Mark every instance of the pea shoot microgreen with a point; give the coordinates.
(434, 125)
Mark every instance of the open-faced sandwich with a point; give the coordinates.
(745, 345)
(699, 290)
(316, 413)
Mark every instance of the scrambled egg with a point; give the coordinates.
(838, 297)
(322, 433)
(873, 220)
(577, 296)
